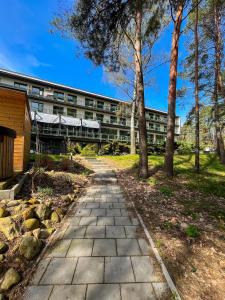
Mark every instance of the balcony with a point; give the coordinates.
(77, 134)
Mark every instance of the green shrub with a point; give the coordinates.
(166, 191)
(192, 231)
(157, 149)
(74, 148)
(89, 150)
(45, 191)
(115, 148)
(185, 148)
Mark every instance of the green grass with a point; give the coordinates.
(54, 157)
(211, 179)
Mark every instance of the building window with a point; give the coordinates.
(124, 133)
(100, 105)
(123, 121)
(71, 112)
(88, 115)
(165, 128)
(151, 116)
(99, 117)
(157, 127)
(157, 117)
(21, 86)
(72, 98)
(36, 106)
(37, 91)
(113, 120)
(113, 107)
(151, 126)
(58, 96)
(89, 102)
(57, 110)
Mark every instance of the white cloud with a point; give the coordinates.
(6, 63)
(26, 63)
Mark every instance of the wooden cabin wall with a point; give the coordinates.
(14, 115)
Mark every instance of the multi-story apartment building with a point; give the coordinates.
(60, 112)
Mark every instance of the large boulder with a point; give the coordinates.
(33, 201)
(11, 277)
(43, 212)
(31, 224)
(3, 212)
(43, 233)
(55, 218)
(28, 213)
(3, 247)
(9, 228)
(47, 223)
(30, 247)
(12, 203)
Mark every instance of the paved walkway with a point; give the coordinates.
(101, 252)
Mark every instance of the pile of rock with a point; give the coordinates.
(29, 223)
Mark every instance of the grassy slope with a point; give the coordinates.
(211, 180)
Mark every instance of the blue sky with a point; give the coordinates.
(27, 46)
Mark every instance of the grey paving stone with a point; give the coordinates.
(119, 205)
(96, 232)
(105, 221)
(145, 247)
(98, 212)
(115, 232)
(137, 291)
(74, 232)
(40, 270)
(131, 231)
(80, 247)
(127, 247)
(83, 212)
(121, 200)
(122, 221)
(59, 271)
(143, 268)
(73, 220)
(68, 292)
(104, 247)
(162, 290)
(118, 269)
(106, 205)
(92, 205)
(103, 292)
(59, 249)
(88, 221)
(113, 212)
(89, 270)
(38, 292)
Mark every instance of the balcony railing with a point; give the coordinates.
(75, 133)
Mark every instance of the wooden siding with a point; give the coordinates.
(6, 156)
(14, 114)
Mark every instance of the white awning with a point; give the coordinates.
(70, 121)
(90, 124)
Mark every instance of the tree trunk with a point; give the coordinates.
(143, 164)
(172, 94)
(197, 148)
(217, 85)
(132, 127)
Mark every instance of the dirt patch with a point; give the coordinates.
(188, 230)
